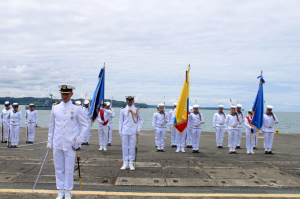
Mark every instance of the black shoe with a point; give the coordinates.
(197, 151)
(221, 147)
(238, 147)
(109, 144)
(270, 152)
(15, 146)
(230, 152)
(194, 151)
(83, 143)
(87, 143)
(157, 150)
(31, 142)
(162, 150)
(266, 152)
(173, 146)
(79, 148)
(11, 146)
(254, 148)
(5, 141)
(234, 152)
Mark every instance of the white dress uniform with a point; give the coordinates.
(32, 119)
(219, 125)
(15, 121)
(171, 122)
(65, 120)
(195, 121)
(249, 134)
(103, 129)
(153, 126)
(232, 128)
(4, 113)
(111, 125)
(189, 136)
(268, 130)
(240, 126)
(86, 111)
(160, 120)
(129, 125)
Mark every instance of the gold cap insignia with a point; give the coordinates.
(64, 87)
(129, 97)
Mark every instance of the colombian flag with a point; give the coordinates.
(182, 110)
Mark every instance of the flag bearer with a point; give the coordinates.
(130, 124)
(232, 122)
(171, 122)
(15, 120)
(103, 119)
(153, 125)
(110, 123)
(240, 125)
(65, 120)
(268, 129)
(189, 136)
(249, 133)
(160, 120)
(219, 125)
(195, 121)
(4, 113)
(32, 118)
(86, 111)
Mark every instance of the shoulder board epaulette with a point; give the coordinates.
(54, 103)
(122, 107)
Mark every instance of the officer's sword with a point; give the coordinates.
(26, 133)
(41, 170)
(78, 159)
(136, 146)
(2, 140)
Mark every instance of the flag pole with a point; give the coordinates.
(104, 87)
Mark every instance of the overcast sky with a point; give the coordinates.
(147, 46)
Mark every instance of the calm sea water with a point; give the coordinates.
(288, 121)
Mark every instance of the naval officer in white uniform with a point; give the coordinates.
(15, 120)
(219, 125)
(160, 121)
(195, 120)
(4, 113)
(103, 126)
(130, 124)
(32, 118)
(110, 122)
(65, 120)
(171, 122)
(268, 129)
(232, 122)
(240, 125)
(86, 111)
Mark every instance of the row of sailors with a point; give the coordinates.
(232, 122)
(12, 121)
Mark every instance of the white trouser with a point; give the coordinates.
(64, 168)
(268, 140)
(5, 131)
(156, 140)
(87, 135)
(232, 137)
(161, 135)
(31, 131)
(181, 140)
(173, 135)
(103, 135)
(249, 141)
(189, 137)
(14, 134)
(196, 138)
(255, 140)
(128, 146)
(219, 135)
(240, 132)
(110, 132)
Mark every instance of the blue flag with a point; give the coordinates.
(258, 108)
(98, 97)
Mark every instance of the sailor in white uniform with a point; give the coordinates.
(78, 103)
(160, 120)
(86, 111)
(195, 121)
(32, 118)
(268, 129)
(103, 127)
(15, 120)
(240, 125)
(153, 126)
(232, 122)
(65, 120)
(4, 113)
(171, 122)
(249, 133)
(130, 124)
(189, 136)
(111, 123)
(219, 125)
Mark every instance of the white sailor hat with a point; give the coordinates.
(6, 103)
(31, 105)
(78, 102)
(15, 104)
(250, 111)
(232, 106)
(196, 106)
(66, 88)
(269, 107)
(129, 98)
(161, 105)
(107, 103)
(86, 101)
(175, 103)
(239, 105)
(221, 106)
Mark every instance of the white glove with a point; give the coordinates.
(49, 146)
(77, 145)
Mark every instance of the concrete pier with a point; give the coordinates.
(164, 174)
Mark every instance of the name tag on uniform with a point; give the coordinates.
(161, 124)
(72, 113)
(196, 126)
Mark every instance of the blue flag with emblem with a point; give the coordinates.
(258, 108)
(98, 97)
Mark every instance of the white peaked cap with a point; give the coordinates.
(233, 106)
(15, 104)
(6, 103)
(196, 106)
(107, 103)
(239, 105)
(31, 104)
(160, 105)
(68, 86)
(269, 107)
(175, 104)
(86, 101)
(221, 106)
(78, 102)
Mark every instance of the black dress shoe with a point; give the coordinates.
(86, 143)
(109, 144)
(162, 150)
(83, 143)
(270, 152)
(230, 152)
(11, 146)
(79, 148)
(157, 150)
(254, 148)
(5, 141)
(238, 147)
(221, 147)
(196, 151)
(234, 152)
(266, 152)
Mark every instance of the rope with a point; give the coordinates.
(132, 114)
